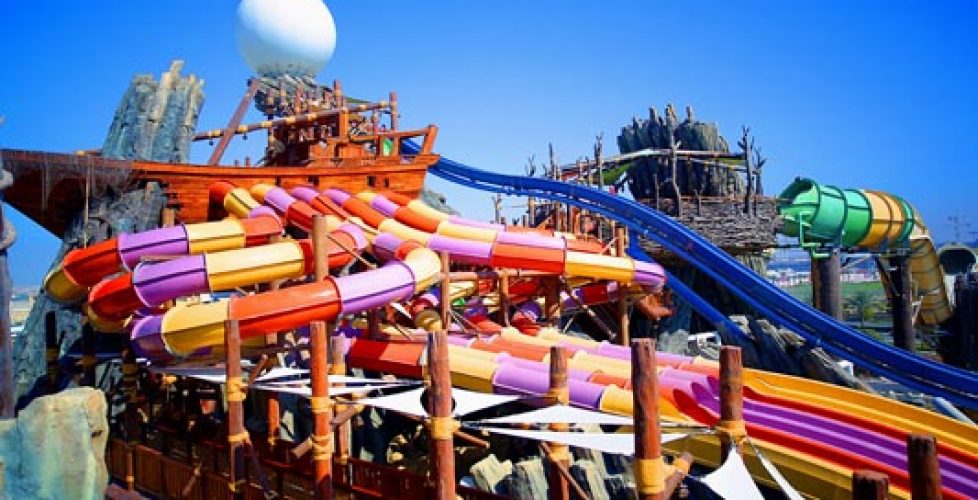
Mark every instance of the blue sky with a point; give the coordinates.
(882, 95)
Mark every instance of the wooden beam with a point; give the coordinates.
(322, 406)
(925, 473)
(445, 306)
(236, 118)
(130, 415)
(559, 456)
(342, 431)
(731, 427)
(620, 244)
(322, 413)
(551, 300)
(303, 119)
(826, 284)
(649, 466)
(504, 302)
(441, 425)
(870, 485)
(234, 395)
(901, 302)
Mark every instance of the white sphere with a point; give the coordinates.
(285, 36)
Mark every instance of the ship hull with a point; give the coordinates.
(51, 188)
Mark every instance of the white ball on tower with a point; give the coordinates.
(276, 37)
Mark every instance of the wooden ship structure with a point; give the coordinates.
(315, 135)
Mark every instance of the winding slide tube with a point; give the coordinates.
(186, 329)
(872, 220)
(150, 285)
(509, 249)
(82, 268)
(850, 441)
(956, 385)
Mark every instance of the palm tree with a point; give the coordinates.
(865, 305)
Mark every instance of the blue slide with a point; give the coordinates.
(954, 384)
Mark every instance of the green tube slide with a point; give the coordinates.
(820, 215)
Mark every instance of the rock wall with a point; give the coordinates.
(109, 215)
(155, 121)
(55, 448)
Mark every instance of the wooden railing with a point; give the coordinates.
(176, 468)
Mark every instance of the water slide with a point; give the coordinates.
(956, 385)
(821, 431)
(820, 215)
(515, 362)
(831, 444)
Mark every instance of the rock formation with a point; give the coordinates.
(55, 448)
(154, 121)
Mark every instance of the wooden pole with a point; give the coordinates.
(731, 427)
(870, 485)
(273, 410)
(445, 306)
(649, 466)
(559, 452)
(130, 416)
(552, 303)
(88, 359)
(620, 245)
(394, 110)
(322, 409)
(342, 434)
(441, 425)
(504, 304)
(322, 412)
(901, 302)
(52, 350)
(319, 251)
(239, 113)
(234, 394)
(925, 473)
(826, 284)
(168, 217)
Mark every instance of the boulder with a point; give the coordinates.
(55, 448)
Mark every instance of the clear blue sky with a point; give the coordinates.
(865, 94)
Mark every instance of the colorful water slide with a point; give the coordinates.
(815, 447)
(820, 215)
(956, 385)
(782, 407)
(507, 249)
(84, 267)
(189, 328)
(151, 284)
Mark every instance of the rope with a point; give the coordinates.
(235, 390)
(442, 428)
(735, 429)
(561, 395)
(240, 437)
(322, 447)
(650, 477)
(320, 404)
